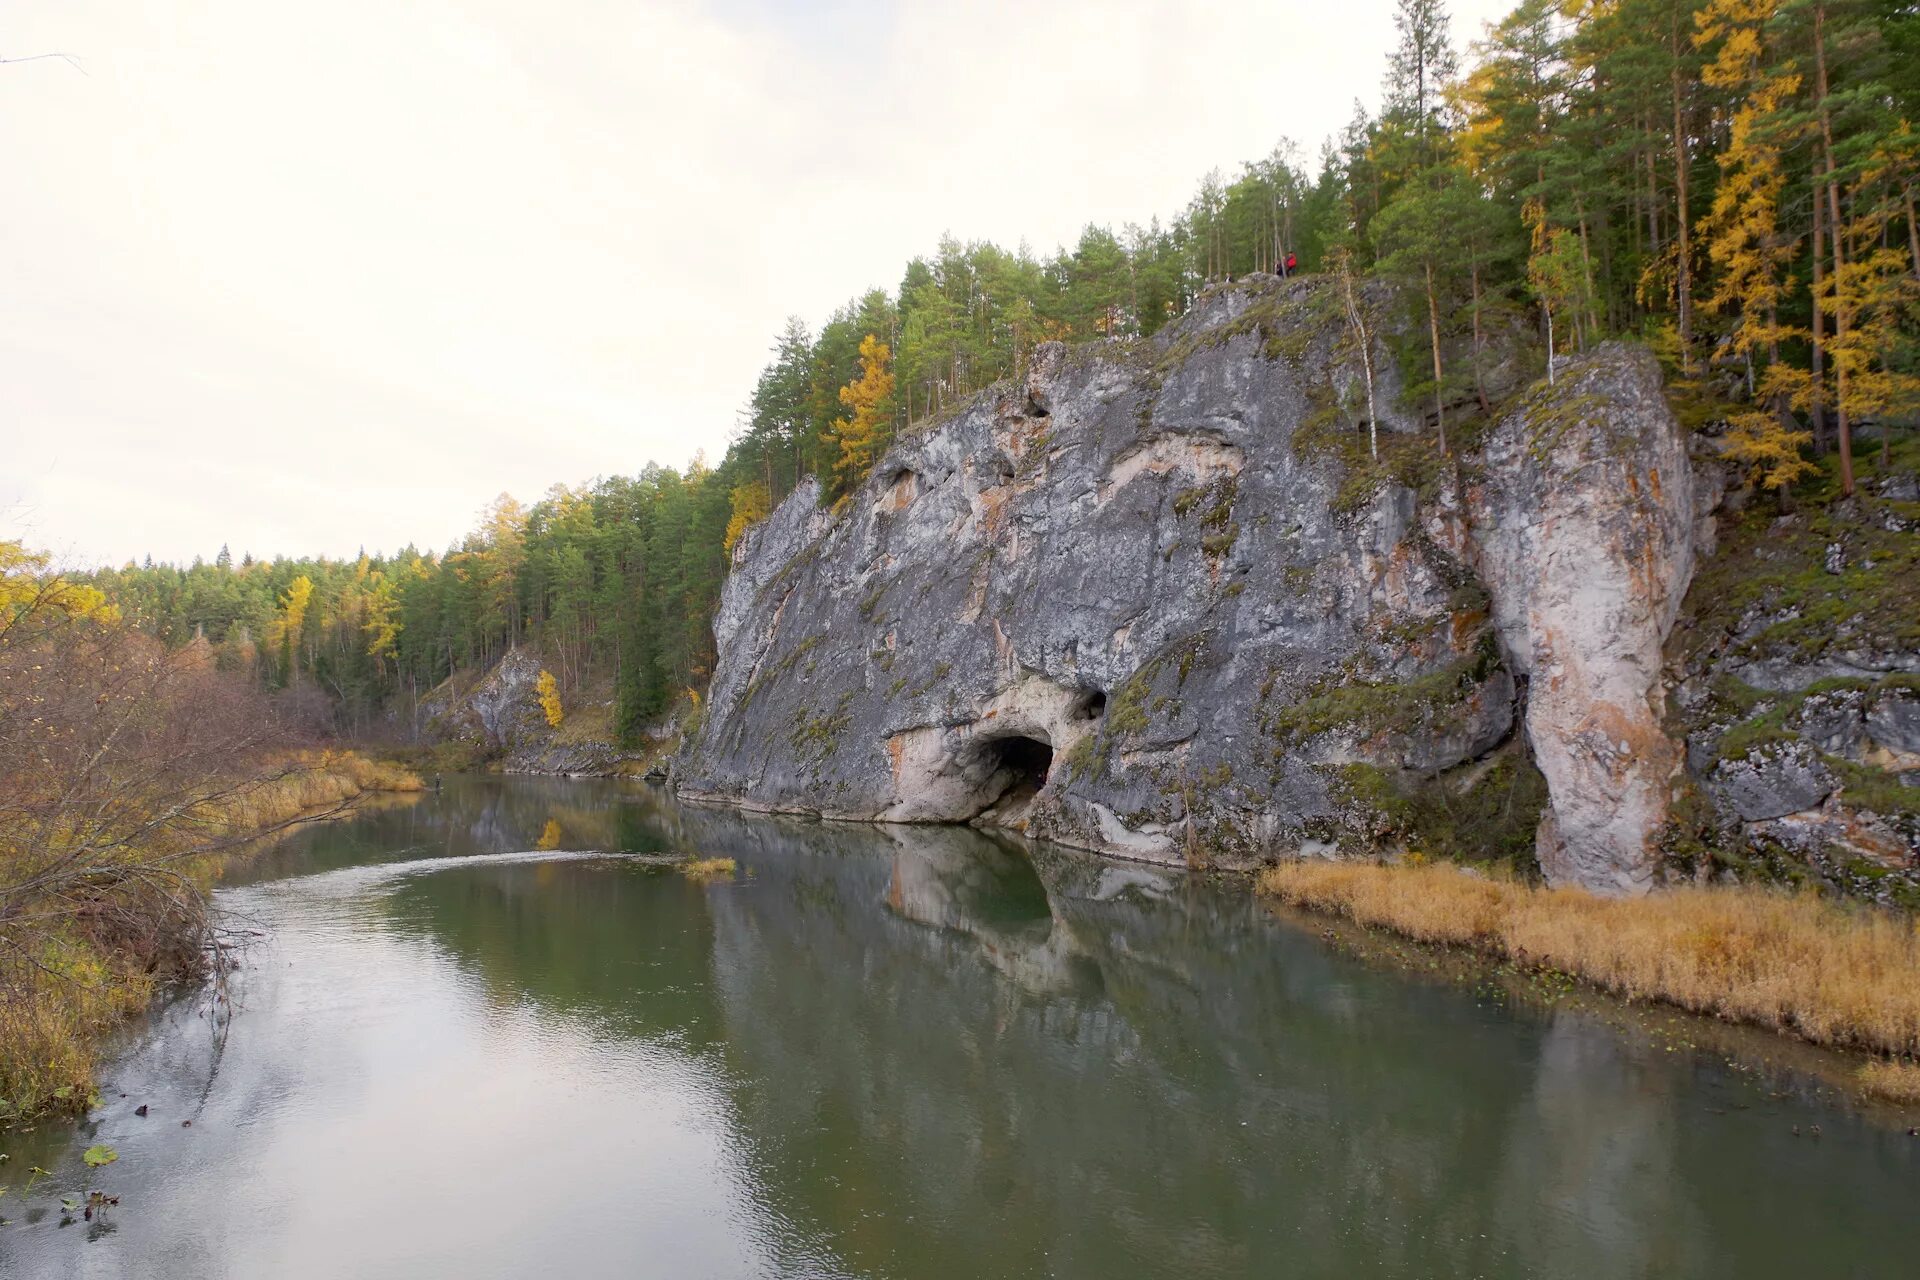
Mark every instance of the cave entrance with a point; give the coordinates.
(1020, 768)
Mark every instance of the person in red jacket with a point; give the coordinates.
(1292, 262)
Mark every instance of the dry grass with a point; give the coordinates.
(1896, 1080)
(1827, 972)
(707, 869)
(311, 781)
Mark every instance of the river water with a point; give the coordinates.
(474, 1041)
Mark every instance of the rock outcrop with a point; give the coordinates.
(1157, 600)
(1582, 525)
(1796, 687)
(499, 715)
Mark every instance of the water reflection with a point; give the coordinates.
(908, 1052)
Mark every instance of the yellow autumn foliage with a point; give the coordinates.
(751, 502)
(547, 690)
(862, 435)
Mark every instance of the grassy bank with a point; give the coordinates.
(88, 951)
(1827, 972)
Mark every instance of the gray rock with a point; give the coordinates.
(1893, 720)
(1780, 674)
(1122, 605)
(1132, 605)
(1771, 783)
(1583, 530)
(1833, 722)
(503, 712)
(1903, 487)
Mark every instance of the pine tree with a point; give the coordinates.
(1421, 242)
(1421, 64)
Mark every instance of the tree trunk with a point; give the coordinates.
(1355, 319)
(1479, 385)
(1817, 397)
(1834, 231)
(1433, 328)
(1683, 248)
(1586, 259)
(1913, 236)
(1549, 311)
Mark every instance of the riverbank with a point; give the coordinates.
(86, 949)
(1833, 974)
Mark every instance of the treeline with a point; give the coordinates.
(1733, 181)
(619, 576)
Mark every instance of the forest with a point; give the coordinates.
(1733, 184)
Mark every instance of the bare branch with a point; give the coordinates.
(67, 58)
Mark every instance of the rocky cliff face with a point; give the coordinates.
(1157, 600)
(1795, 672)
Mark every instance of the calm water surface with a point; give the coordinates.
(473, 1044)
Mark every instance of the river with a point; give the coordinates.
(473, 1039)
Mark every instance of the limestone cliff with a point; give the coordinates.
(1158, 600)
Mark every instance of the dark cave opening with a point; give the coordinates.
(1027, 759)
(1020, 768)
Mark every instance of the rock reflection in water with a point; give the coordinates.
(1127, 1073)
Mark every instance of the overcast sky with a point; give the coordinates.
(305, 277)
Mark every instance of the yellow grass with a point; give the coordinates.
(1828, 972)
(708, 869)
(319, 780)
(1891, 1081)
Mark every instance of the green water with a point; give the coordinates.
(912, 1053)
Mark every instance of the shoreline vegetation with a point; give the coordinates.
(130, 773)
(69, 979)
(1835, 974)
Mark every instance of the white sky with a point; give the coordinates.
(306, 277)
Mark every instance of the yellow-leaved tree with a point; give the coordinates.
(285, 628)
(1743, 232)
(869, 401)
(1768, 444)
(751, 503)
(29, 591)
(547, 690)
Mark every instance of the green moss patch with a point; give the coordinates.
(1486, 813)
